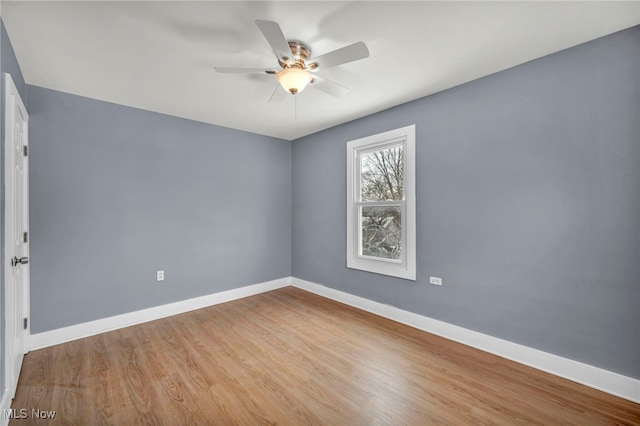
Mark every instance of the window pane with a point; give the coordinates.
(381, 231)
(381, 174)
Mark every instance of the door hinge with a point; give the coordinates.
(25, 150)
(25, 237)
(25, 322)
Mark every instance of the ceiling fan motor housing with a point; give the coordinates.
(300, 52)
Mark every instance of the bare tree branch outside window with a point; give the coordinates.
(381, 179)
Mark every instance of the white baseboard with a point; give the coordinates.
(598, 378)
(78, 331)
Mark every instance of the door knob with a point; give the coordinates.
(19, 260)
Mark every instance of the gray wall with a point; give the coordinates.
(528, 205)
(8, 64)
(118, 193)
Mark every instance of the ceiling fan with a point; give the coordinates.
(296, 67)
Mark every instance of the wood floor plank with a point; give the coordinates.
(291, 357)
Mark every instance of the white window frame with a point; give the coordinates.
(406, 267)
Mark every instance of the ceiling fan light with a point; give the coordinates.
(293, 80)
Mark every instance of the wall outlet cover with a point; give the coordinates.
(435, 280)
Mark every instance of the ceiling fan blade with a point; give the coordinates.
(278, 95)
(231, 70)
(328, 86)
(274, 35)
(353, 52)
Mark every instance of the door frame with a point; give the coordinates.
(12, 99)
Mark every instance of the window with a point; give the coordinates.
(381, 217)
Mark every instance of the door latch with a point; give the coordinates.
(19, 261)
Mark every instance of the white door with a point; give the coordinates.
(16, 234)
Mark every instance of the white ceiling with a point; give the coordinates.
(159, 56)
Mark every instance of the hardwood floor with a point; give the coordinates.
(291, 357)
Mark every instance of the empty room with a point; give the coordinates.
(305, 212)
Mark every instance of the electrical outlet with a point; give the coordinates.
(435, 280)
(159, 275)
